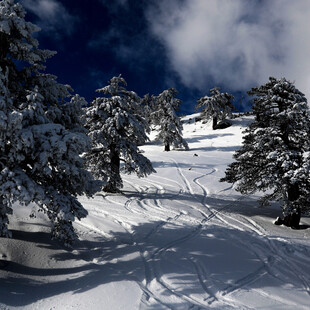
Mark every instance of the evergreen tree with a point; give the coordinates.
(217, 107)
(147, 108)
(170, 127)
(40, 158)
(276, 150)
(116, 130)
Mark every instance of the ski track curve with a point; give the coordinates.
(152, 262)
(275, 263)
(151, 270)
(155, 288)
(255, 228)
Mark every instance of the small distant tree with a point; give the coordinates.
(170, 127)
(40, 155)
(116, 130)
(275, 155)
(217, 107)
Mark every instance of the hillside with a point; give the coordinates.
(178, 239)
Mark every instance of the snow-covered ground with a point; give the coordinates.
(178, 239)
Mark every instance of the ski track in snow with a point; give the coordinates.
(170, 220)
(156, 289)
(152, 263)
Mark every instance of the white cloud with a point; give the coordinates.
(52, 16)
(237, 43)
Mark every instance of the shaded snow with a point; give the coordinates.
(178, 239)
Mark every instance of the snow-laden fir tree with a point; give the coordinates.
(40, 158)
(275, 155)
(170, 127)
(147, 108)
(116, 128)
(217, 107)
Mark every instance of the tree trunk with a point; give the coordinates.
(293, 192)
(291, 220)
(214, 122)
(115, 181)
(167, 147)
(4, 220)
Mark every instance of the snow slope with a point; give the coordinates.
(178, 239)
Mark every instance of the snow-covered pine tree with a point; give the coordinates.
(170, 127)
(217, 107)
(116, 130)
(147, 107)
(40, 158)
(275, 155)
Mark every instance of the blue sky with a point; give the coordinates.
(192, 45)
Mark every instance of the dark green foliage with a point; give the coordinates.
(217, 107)
(275, 154)
(116, 128)
(41, 138)
(170, 127)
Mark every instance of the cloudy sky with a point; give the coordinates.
(192, 45)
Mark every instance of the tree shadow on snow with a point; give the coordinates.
(216, 148)
(207, 139)
(186, 260)
(200, 138)
(204, 168)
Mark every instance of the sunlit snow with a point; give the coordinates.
(177, 239)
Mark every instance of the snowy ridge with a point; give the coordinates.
(178, 239)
